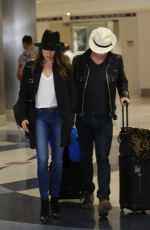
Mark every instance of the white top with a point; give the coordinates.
(46, 96)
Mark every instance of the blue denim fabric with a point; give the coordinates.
(48, 126)
(94, 129)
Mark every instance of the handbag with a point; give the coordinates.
(134, 142)
(16, 111)
(74, 146)
(72, 151)
(16, 107)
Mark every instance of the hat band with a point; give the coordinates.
(50, 44)
(101, 45)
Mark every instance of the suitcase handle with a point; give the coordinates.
(125, 117)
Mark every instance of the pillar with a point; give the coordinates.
(18, 18)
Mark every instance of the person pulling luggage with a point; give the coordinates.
(98, 73)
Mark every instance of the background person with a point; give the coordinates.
(50, 115)
(29, 53)
(98, 72)
(68, 52)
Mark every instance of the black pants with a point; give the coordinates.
(95, 129)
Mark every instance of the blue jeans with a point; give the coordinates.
(48, 126)
(95, 129)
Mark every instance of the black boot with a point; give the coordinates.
(44, 213)
(55, 209)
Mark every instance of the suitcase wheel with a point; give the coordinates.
(136, 212)
(121, 212)
(143, 211)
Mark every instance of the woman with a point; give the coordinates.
(46, 101)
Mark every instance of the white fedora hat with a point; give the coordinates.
(102, 40)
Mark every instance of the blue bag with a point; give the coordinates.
(74, 146)
(73, 150)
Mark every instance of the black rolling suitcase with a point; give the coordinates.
(71, 179)
(134, 167)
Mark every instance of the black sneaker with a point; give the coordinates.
(44, 213)
(55, 209)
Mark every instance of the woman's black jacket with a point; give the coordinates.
(64, 89)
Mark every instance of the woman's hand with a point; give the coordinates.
(25, 125)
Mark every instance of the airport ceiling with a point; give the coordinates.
(59, 1)
(127, 3)
(45, 8)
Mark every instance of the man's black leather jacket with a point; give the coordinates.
(115, 77)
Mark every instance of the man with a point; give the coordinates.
(29, 54)
(98, 72)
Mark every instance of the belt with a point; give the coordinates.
(53, 107)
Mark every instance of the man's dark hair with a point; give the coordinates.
(27, 39)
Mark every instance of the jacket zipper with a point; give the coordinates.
(84, 89)
(108, 88)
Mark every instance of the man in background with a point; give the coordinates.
(28, 54)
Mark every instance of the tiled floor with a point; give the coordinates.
(19, 195)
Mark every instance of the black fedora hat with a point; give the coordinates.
(50, 41)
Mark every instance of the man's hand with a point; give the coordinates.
(124, 100)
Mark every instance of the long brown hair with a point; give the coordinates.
(62, 61)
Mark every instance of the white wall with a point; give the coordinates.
(144, 49)
(129, 47)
